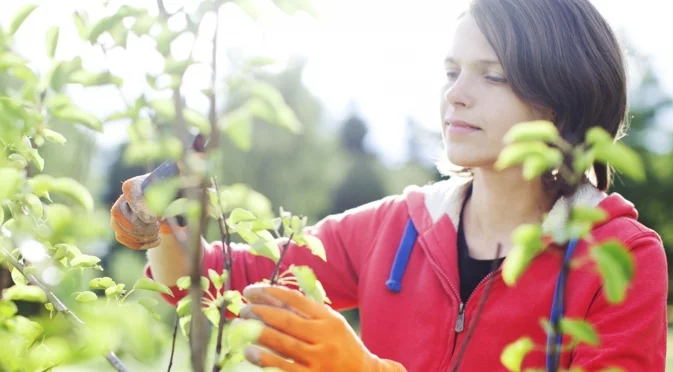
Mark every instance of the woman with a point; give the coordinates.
(416, 264)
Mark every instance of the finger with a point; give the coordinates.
(289, 298)
(283, 344)
(143, 235)
(262, 358)
(283, 320)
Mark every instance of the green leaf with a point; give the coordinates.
(86, 296)
(28, 293)
(580, 330)
(512, 355)
(517, 153)
(20, 16)
(34, 205)
(103, 25)
(308, 283)
(534, 166)
(241, 215)
(268, 249)
(151, 285)
(205, 284)
(234, 301)
(160, 194)
(90, 79)
(615, 265)
(197, 120)
(78, 116)
(74, 190)
(101, 283)
(165, 108)
(244, 332)
(537, 130)
(7, 308)
(623, 158)
(143, 24)
(216, 279)
(52, 40)
(238, 126)
(527, 240)
(53, 136)
(183, 306)
(588, 214)
(184, 325)
(84, 260)
(598, 136)
(82, 29)
(115, 290)
(184, 282)
(148, 303)
(11, 181)
(18, 278)
(291, 7)
(213, 315)
(315, 246)
(24, 327)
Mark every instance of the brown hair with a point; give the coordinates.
(561, 55)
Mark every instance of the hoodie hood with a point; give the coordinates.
(430, 203)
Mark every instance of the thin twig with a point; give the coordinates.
(480, 307)
(280, 260)
(60, 307)
(175, 336)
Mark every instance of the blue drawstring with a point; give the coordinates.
(557, 310)
(394, 282)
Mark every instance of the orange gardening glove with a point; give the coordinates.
(313, 335)
(133, 223)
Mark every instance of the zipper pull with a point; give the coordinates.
(461, 318)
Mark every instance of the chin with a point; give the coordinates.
(459, 157)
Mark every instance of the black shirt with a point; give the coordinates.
(471, 271)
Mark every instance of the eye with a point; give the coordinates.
(452, 74)
(496, 79)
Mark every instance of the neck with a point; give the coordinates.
(503, 200)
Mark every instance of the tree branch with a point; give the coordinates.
(175, 335)
(274, 275)
(60, 307)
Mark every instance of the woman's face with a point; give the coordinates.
(477, 104)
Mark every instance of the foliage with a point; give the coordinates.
(538, 148)
(46, 218)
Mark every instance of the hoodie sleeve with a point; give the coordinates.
(347, 238)
(633, 333)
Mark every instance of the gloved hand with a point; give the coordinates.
(133, 223)
(313, 335)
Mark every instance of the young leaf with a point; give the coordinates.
(238, 125)
(160, 194)
(579, 330)
(517, 153)
(79, 116)
(197, 120)
(103, 25)
(28, 293)
(205, 284)
(216, 279)
(538, 130)
(534, 166)
(244, 332)
(20, 16)
(148, 303)
(151, 285)
(53, 136)
(266, 248)
(34, 205)
(528, 243)
(115, 290)
(7, 308)
(18, 278)
(241, 215)
(308, 283)
(598, 136)
(588, 214)
(183, 306)
(52, 41)
(184, 325)
(234, 301)
(213, 314)
(615, 266)
(621, 157)
(512, 355)
(86, 296)
(184, 282)
(84, 260)
(101, 283)
(315, 246)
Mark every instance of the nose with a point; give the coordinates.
(457, 93)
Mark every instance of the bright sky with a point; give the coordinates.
(384, 55)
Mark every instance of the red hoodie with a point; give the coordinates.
(418, 325)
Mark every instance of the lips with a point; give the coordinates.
(461, 124)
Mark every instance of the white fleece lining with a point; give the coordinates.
(446, 197)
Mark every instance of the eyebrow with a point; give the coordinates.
(483, 62)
